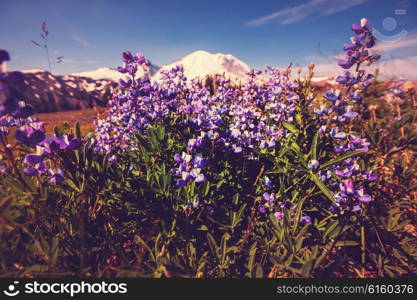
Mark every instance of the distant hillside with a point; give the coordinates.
(51, 93)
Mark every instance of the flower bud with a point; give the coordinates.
(364, 21)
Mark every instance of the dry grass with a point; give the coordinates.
(85, 117)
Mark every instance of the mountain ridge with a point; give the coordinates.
(197, 64)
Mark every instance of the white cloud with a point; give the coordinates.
(388, 46)
(396, 61)
(80, 40)
(77, 61)
(398, 68)
(300, 12)
(393, 68)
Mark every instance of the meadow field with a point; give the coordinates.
(271, 177)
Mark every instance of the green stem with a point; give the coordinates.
(12, 162)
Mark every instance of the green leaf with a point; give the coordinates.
(251, 260)
(78, 130)
(330, 229)
(54, 250)
(223, 247)
(323, 187)
(346, 243)
(212, 244)
(259, 271)
(306, 269)
(314, 145)
(58, 131)
(34, 269)
(340, 159)
(290, 127)
(139, 240)
(277, 170)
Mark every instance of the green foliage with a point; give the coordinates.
(127, 218)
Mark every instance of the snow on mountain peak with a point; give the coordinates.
(101, 73)
(201, 63)
(197, 64)
(108, 73)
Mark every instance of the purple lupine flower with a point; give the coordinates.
(8, 107)
(341, 148)
(122, 70)
(140, 59)
(357, 28)
(31, 171)
(350, 114)
(335, 133)
(191, 145)
(132, 69)
(361, 196)
(200, 178)
(305, 219)
(32, 159)
(125, 84)
(199, 161)
(13, 77)
(67, 142)
(24, 112)
(369, 176)
(268, 197)
(332, 96)
(30, 135)
(57, 176)
(50, 144)
(35, 170)
(278, 215)
(271, 144)
(180, 183)
(347, 63)
(366, 84)
(268, 182)
(345, 173)
(351, 46)
(321, 111)
(347, 187)
(177, 158)
(287, 204)
(4, 56)
(313, 164)
(237, 149)
(127, 57)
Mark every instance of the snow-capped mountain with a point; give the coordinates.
(101, 73)
(201, 63)
(112, 74)
(197, 64)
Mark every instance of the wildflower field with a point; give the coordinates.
(180, 178)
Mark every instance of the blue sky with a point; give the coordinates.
(93, 33)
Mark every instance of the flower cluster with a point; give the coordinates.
(12, 111)
(44, 160)
(189, 168)
(346, 179)
(243, 119)
(234, 118)
(29, 131)
(357, 51)
(271, 204)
